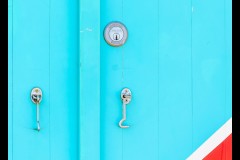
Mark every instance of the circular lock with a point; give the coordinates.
(115, 34)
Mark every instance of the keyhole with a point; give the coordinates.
(116, 36)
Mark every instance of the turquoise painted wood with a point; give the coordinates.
(89, 79)
(43, 52)
(211, 66)
(176, 61)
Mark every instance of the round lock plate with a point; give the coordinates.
(115, 34)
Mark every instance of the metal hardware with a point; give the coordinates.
(126, 97)
(115, 34)
(36, 97)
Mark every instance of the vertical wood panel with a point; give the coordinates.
(175, 94)
(89, 80)
(30, 69)
(64, 84)
(211, 67)
(228, 55)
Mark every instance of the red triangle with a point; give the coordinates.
(223, 151)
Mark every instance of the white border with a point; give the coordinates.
(212, 142)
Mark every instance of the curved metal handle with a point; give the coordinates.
(36, 97)
(123, 116)
(126, 97)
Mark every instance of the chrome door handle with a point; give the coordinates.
(36, 97)
(126, 97)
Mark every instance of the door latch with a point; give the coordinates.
(126, 97)
(36, 97)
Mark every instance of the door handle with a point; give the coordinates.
(126, 97)
(36, 97)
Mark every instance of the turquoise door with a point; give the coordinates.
(176, 62)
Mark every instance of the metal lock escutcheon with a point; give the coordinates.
(115, 34)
